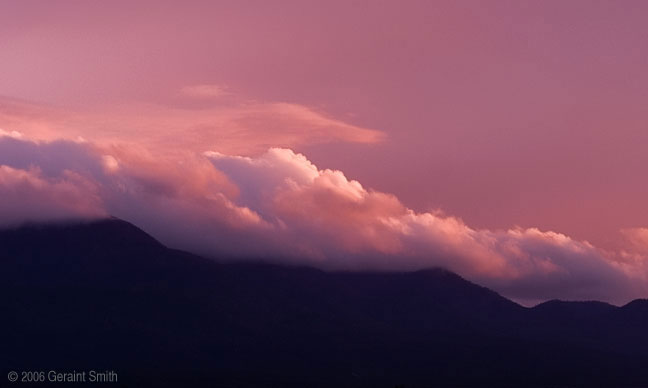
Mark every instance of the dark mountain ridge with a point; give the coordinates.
(105, 295)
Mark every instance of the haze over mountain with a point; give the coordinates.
(105, 295)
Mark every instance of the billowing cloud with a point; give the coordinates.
(28, 196)
(339, 224)
(280, 206)
(636, 240)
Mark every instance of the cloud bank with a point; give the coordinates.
(280, 206)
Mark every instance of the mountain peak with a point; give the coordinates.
(105, 231)
(108, 285)
(636, 305)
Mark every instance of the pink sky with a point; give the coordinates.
(507, 115)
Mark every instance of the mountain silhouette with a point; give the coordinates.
(104, 295)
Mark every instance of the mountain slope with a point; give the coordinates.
(105, 295)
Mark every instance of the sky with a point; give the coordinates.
(504, 140)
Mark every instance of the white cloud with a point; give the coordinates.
(13, 134)
(279, 205)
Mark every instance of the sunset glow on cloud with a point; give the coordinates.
(390, 137)
(280, 205)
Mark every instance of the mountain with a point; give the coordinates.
(105, 295)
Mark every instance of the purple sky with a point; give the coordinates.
(503, 114)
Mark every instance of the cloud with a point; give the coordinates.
(338, 224)
(28, 196)
(13, 134)
(636, 240)
(204, 91)
(230, 125)
(280, 206)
